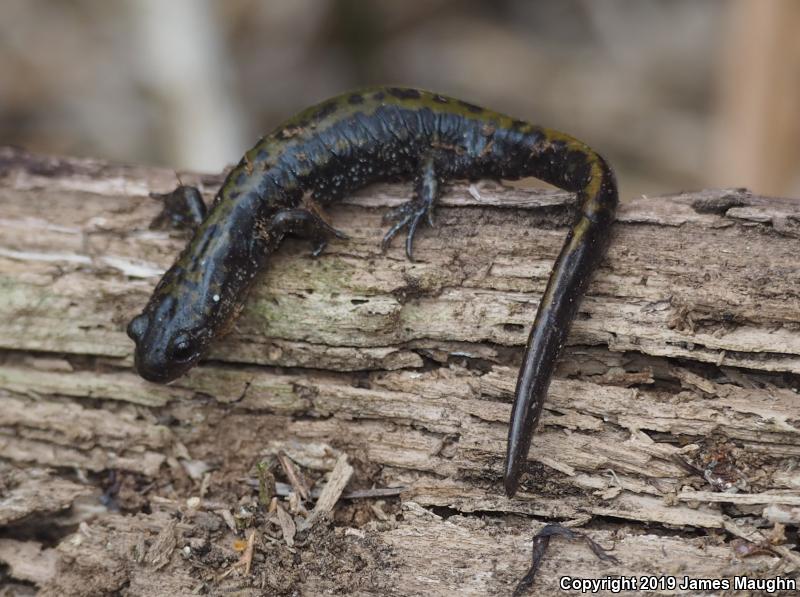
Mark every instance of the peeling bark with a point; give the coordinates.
(670, 430)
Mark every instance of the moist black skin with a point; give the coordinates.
(345, 143)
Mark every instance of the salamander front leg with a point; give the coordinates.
(542, 540)
(305, 224)
(426, 192)
(184, 209)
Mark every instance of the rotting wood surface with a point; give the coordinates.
(671, 432)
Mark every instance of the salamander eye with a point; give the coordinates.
(182, 349)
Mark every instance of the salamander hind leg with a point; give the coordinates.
(184, 209)
(426, 192)
(305, 224)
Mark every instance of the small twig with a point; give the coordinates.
(227, 517)
(373, 493)
(229, 571)
(247, 558)
(235, 566)
(204, 484)
(340, 476)
(287, 525)
(614, 476)
(266, 483)
(284, 489)
(791, 499)
(295, 477)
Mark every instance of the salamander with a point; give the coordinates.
(342, 144)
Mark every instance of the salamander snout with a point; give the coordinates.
(161, 356)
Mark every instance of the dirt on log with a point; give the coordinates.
(380, 390)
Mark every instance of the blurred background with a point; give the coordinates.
(678, 95)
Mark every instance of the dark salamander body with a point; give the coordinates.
(343, 144)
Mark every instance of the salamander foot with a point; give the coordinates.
(184, 209)
(408, 214)
(305, 224)
(411, 212)
(540, 542)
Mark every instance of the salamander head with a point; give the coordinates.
(168, 342)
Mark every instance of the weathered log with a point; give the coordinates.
(670, 432)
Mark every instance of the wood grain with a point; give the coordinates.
(672, 417)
